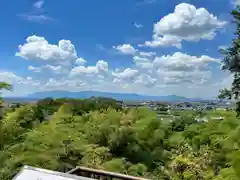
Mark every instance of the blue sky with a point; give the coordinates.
(154, 47)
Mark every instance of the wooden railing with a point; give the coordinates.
(101, 175)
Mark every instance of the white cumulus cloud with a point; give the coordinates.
(126, 49)
(76, 71)
(37, 48)
(183, 62)
(80, 61)
(146, 80)
(163, 41)
(101, 67)
(142, 62)
(127, 74)
(186, 23)
(177, 73)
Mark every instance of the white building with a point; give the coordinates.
(30, 173)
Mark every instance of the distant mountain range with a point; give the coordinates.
(118, 96)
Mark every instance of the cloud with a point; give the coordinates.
(140, 59)
(39, 18)
(147, 54)
(37, 48)
(186, 23)
(136, 25)
(63, 84)
(9, 77)
(176, 62)
(181, 68)
(235, 2)
(146, 80)
(80, 84)
(57, 69)
(80, 71)
(143, 62)
(183, 62)
(126, 49)
(163, 41)
(226, 82)
(54, 69)
(102, 66)
(190, 78)
(38, 4)
(80, 61)
(38, 15)
(177, 73)
(127, 74)
(178, 68)
(146, 2)
(12, 78)
(34, 69)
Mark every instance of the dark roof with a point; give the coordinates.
(101, 173)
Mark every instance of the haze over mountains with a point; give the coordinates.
(118, 96)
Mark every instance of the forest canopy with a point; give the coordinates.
(130, 141)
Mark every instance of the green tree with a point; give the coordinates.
(5, 86)
(231, 63)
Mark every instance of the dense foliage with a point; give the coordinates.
(231, 63)
(3, 86)
(133, 141)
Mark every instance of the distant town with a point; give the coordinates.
(157, 106)
(166, 106)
